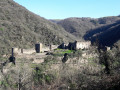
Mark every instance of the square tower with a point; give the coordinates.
(38, 47)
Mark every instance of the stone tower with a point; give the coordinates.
(38, 47)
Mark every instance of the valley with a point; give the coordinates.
(75, 53)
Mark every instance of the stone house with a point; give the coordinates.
(76, 45)
(82, 45)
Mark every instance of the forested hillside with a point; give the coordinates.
(90, 29)
(22, 28)
(106, 35)
(79, 26)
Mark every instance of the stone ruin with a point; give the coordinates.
(76, 45)
(82, 45)
(38, 49)
(17, 51)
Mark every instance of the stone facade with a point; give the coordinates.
(107, 48)
(16, 51)
(28, 51)
(82, 45)
(76, 45)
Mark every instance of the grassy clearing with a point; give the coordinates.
(61, 52)
(66, 51)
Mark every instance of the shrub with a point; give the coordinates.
(77, 53)
(1, 29)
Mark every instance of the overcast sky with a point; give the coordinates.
(60, 9)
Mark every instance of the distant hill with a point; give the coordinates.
(79, 26)
(107, 35)
(105, 30)
(22, 28)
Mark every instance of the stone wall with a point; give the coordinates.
(49, 48)
(82, 45)
(29, 51)
(40, 47)
(54, 47)
(17, 51)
